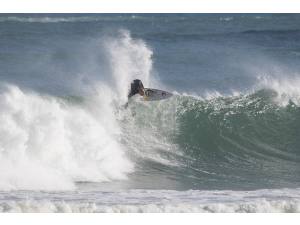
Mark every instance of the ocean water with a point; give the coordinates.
(227, 141)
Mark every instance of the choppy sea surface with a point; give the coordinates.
(227, 141)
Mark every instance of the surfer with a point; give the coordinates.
(149, 94)
(136, 87)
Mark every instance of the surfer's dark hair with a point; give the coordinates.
(135, 86)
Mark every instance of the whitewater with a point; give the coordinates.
(227, 141)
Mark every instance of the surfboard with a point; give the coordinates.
(155, 94)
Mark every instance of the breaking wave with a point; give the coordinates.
(51, 142)
(236, 141)
(246, 141)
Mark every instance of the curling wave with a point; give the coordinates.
(245, 141)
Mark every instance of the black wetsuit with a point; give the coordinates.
(136, 85)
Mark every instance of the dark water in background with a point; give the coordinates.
(191, 53)
(233, 123)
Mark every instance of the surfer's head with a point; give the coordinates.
(137, 87)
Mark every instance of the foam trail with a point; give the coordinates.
(133, 201)
(262, 206)
(51, 19)
(68, 19)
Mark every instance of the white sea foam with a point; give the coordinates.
(263, 201)
(263, 206)
(47, 144)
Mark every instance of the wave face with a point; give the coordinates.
(246, 141)
(248, 138)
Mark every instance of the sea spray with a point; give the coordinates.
(129, 59)
(57, 141)
(48, 144)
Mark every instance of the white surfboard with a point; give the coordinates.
(155, 94)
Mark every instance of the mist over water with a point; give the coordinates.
(62, 139)
(232, 124)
